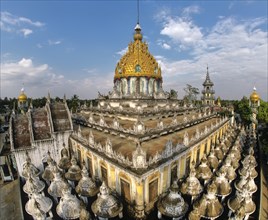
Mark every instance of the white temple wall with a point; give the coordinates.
(143, 85)
(117, 85)
(39, 151)
(151, 86)
(124, 86)
(155, 86)
(133, 85)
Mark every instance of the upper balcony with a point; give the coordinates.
(211, 91)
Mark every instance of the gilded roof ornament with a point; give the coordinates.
(137, 61)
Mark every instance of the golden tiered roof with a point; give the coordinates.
(137, 61)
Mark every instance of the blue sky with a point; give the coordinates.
(72, 47)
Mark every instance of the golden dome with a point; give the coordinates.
(137, 61)
(22, 97)
(254, 97)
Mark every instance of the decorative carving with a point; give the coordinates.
(167, 107)
(102, 121)
(139, 158)
(91, 119)
(186, 139)
(155, 158)
(109, 148)
(160, 124)
(116, 124)
(179, 146)
(197, 134)
(168, 150)
(139, 127)
(79, 132)
(139, 109)
(91, 138)
(185, 119)
(160, 94)
(174, 120)
(206, 130)
(99, 147)
(115, 94)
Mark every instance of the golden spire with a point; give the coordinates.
(137, 61)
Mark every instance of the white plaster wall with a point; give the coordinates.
(39, 152)
(133, 85)
(150, 86)
(143, 85)
(124, 86)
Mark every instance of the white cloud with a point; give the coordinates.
(193, 9)
(26, 32)
(56, 42)
(236, 51)
(182, 31)
(164, 45)
(122, 52)
(12, 23)
(38, 79)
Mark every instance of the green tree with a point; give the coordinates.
(39, 102)
(263, 112)
(73, 103)
(173, 94)
(242, 108)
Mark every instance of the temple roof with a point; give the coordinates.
(127, 146)
(137, 61)
(39, 124)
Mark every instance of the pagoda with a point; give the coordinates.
(208, 92)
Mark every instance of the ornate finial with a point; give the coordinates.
(49, 158)
(137, 35)
(28, 159)
(84, 170)
(138, 11)
(73, 160)
(207, 76)
(254, 88)
(64, 98)
(104, 189)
